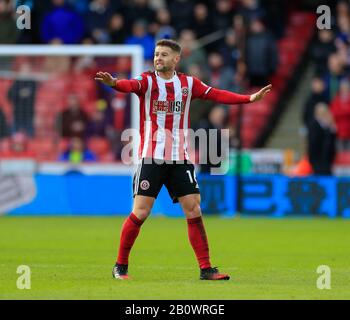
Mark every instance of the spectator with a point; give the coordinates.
(201, 22)
(140, 9)
(343, 33)
(97, 17)
(215, 121)
(276, 16)
(220, 76)
(18, 147)
(99, 125)
(22, 95)
(344, 56)
(261, 54)
(340, 108)
(57, 66)
(317, 95)
(191, 53)
(240, 31)
(181, 13)
(81, 6)
(250, 10)
(77, 152)
(72, 121)
(230, 51)
(141, 37)
(117, 29)
(163, 29)
(62, 24)
(321, 140)
(157, 4)
(342, 8)
(39, 9)
(223, 14)
(4, 129)
(8, 29)
(321, 50)
(333, 76)
(233, 57)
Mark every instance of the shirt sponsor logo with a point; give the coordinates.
(168, 107)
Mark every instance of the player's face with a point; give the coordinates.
(165, 59)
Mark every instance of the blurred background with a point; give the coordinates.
(60, 131)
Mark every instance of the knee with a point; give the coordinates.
(142, 212)
(193, 210)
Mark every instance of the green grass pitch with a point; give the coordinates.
(72, 258)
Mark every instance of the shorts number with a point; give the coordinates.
(190, 176)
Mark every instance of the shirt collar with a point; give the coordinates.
(166, 80)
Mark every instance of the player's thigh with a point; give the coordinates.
(181, 180)
(191, 205)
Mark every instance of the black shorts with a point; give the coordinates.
(178, 177)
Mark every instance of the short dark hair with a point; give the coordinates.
(169, 43)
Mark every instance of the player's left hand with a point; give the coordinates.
(260, 94)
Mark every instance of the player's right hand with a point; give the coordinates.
(105, 78)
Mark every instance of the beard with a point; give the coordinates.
(162, 68)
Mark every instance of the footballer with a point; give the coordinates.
(165, 97)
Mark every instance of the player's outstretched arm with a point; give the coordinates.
(228, 97)
(122, 85)
(260, 94)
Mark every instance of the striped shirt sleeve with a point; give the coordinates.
(199, 89)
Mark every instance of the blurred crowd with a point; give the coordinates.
(230, 44)
(326, 114)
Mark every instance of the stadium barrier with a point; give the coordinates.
(88, 192)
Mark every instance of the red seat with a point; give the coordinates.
(99, 146)
(107, 157)
(343, 158)
(5, 145)
(63, 145)
(43, 149)
(260, 108)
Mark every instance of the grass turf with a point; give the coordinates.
(72, 258)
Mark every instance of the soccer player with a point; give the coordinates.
(165, 96)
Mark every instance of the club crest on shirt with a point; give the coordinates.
(184, 91)
(144, 184)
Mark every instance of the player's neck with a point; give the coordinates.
(166, 75)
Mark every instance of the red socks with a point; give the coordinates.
(130, 231)
(199, 241)
(196, 235)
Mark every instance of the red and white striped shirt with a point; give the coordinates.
(165, 111)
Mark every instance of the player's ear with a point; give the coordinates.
(177, 58)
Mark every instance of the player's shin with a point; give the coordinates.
(199, 241)
(129, 233)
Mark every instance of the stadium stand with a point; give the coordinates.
(291, 48)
